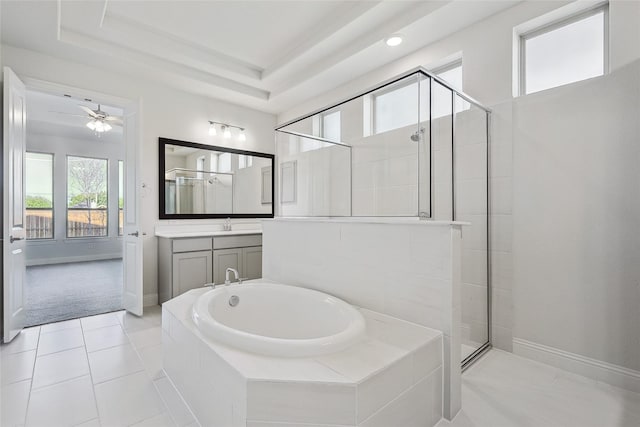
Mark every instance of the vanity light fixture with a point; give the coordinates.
(226, 132)
(393, 40)
(225, 128)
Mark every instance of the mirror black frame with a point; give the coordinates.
(161, 178)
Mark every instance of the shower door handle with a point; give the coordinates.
(13, 239)
(136, 234)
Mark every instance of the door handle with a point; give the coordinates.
(13, 239)
(136, 234)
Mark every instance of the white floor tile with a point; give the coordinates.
(64, 404)
(114, 362)
(128, 400)
(146, 337)
(177, 408)
(26, 340)
(91, 423)
(61, 366)
(14, 403)
(162, 420)
(131, 323)
(17, 367)
(99, 321)
(109, 336)
(56, 341)
(152, 361)
(502, 389)
(59, 326)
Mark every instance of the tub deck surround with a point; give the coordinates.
(393, 376)
(406, 268)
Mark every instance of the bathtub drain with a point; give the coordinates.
(234, 300)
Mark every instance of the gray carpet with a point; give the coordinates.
(68, 291)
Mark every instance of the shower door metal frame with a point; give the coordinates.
(469, 360)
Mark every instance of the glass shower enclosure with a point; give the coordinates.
(413, 146)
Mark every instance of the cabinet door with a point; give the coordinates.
(252, 258)
(191, 270)
(226, 258)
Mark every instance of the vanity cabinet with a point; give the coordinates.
(186, 263)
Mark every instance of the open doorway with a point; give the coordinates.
(74, 200)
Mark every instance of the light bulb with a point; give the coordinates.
(212, 129)
(226, 132)
(242, 136)
(393, 40)
(91, 124)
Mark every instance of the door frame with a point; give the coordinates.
(102, 98)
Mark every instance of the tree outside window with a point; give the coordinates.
(86, 197)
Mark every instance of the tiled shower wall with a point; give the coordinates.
(501, 225)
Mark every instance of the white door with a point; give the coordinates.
(14, 234)
(133, 242)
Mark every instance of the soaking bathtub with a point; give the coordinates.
(278, 320)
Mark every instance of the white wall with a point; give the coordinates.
(61, 248)
(576, 211)
(165, 113)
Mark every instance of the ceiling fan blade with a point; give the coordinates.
(113, 118)
(69, 114)
(89, 111)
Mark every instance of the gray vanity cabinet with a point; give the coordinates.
(191, 270)
(189, 263)
(252, 259)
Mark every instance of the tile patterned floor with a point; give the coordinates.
(103, 370)
(505, 390)
(106, 370)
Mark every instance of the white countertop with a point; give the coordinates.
(204, 233)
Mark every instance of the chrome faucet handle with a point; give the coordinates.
(210, 285)
(242, 279)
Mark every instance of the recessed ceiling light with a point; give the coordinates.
(393, 40)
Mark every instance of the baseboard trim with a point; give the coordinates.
(150, 299)
(598, 370)
(65, 260)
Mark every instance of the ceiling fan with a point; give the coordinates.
(99, 120)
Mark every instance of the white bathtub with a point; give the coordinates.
(278, 320)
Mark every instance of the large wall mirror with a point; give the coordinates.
(204, 181)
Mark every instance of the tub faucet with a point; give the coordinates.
(235, 273)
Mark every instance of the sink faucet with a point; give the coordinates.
(226, 276)
(227, 224)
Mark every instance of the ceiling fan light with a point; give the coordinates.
(106, 127)
(212, 129)
(242, 136)
(91, 124)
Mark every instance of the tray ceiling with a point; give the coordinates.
(268, 55)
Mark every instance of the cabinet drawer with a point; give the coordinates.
(225, 242)
(191, 245)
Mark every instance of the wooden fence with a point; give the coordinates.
(39, 223)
